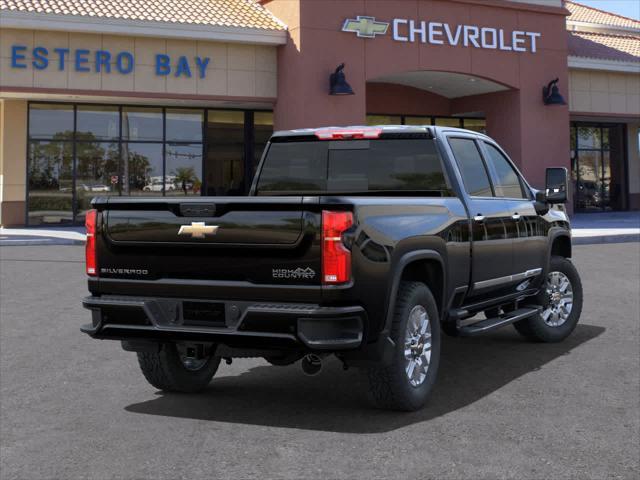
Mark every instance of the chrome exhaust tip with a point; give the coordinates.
(311, 365)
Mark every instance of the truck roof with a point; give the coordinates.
(435, 131)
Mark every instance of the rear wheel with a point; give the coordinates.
(405, 384)
(561, 301)
(172, 370)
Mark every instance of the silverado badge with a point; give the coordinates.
(198, 230)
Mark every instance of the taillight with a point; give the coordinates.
(336, 259)
(349, 133)
(91, 256)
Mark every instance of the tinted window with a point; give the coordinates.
(184, 125)
(353, 166)
(507, 183)
(97, 123)
(142, 124)
(183, 169)
(295, 167)
(144, 169)
(474, 174)
(51, 121)
(224, 161)
(262, 131)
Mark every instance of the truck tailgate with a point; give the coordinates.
(251, 239)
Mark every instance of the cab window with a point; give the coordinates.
(506, 181)
(474, 174)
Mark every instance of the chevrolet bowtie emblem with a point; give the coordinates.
(365, 27)
(198, 230)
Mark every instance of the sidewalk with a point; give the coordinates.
(42, 236)
(588, 228)
(607, 227)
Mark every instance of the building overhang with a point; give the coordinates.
(100, 25)
(583, 63)
(575, 26)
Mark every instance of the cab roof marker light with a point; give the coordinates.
(348, 133)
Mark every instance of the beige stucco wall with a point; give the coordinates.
(592, 91)
(13, 160)
(236, 70)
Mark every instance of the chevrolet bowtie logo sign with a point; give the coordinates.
(198, 230)
(365, 27)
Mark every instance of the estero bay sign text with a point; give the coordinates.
(98, 61)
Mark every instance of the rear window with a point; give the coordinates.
(356, 166)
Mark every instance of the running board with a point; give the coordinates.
(497, 322)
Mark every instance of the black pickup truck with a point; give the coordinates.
(359, 242)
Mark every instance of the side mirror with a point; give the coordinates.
(557, 185)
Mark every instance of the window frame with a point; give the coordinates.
(524, 186)
(474, 139)
(337, 146)
(432, 119)
(248, 134)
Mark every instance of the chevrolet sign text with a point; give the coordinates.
(439, 33)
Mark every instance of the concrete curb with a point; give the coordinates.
(32, 237)
(22, 242)
(635, 237)
(60, 241)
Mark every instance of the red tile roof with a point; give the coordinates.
(224, 13)
(582, 13)
(624, 48)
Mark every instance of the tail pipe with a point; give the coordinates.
(311, 364)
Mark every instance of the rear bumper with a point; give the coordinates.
(232, 323)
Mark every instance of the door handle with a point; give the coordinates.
(479, 218)
(516, 216)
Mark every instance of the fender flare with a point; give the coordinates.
(399, 267)
(554, 235)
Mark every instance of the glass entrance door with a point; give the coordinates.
(598, 167)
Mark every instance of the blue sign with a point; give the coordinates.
(80, 60)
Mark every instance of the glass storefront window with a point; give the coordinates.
(142, 124)
(97, 173)
(50, 173)
(97, 123)
(184, 125)
(589, 137)
(384, 120)
(598, 168)
(417, 120)
(51, 121)
(263, 129)
(448, 122)
(475, 124)
(80, 151)
(225, 153)
(143, 169)
(184, 169)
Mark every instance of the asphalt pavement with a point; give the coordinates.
(72, 407)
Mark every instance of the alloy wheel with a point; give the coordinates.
(417, 346)
(560, 297)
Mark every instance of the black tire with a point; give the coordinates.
(535, 328)
(166, 371)
(389, 386)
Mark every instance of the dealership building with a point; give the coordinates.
(178, 97)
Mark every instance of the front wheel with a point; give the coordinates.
(171, 370)
(405, 384)
(561, 301)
